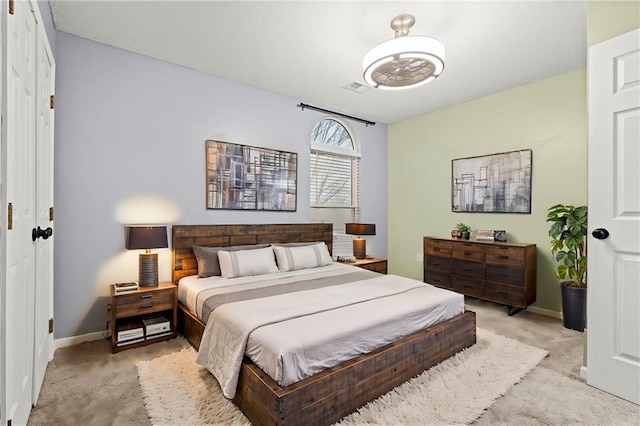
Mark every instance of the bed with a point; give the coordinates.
(329, 395)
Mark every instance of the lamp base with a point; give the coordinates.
(359, 248)
(148, 270)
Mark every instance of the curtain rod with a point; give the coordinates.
(350, 117)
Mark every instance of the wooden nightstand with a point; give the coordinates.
(374, 264)
(129, 308)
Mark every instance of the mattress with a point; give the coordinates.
(356, 312)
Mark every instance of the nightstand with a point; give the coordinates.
(374, 264)
(153, 305)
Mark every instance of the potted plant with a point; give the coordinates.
(464, 230)
(568, 234)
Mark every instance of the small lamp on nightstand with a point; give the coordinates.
(147, 237)
(360, 244)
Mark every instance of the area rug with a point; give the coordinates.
(178, 391)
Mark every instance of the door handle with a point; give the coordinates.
(41, 233)
(600, 234)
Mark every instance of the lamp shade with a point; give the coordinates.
(360, 229)
(146, 237)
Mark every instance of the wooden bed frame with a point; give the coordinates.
(331, 394)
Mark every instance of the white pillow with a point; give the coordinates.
(302, 257)
(246, 262)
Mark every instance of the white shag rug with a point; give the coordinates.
(178, 391)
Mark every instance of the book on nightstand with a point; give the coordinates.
(129, 332)
(156, 326)
(133, 285)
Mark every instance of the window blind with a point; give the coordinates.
(335, 195)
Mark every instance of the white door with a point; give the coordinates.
(21, 187)
(613, 295)
(43, 342)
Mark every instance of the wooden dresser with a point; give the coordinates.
(500, 272)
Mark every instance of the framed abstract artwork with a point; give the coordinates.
(496, 183)
(242, 177)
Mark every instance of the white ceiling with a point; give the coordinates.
(311, 50)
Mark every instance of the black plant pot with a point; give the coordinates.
(574, 307)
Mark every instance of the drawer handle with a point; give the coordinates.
(436, 249)
(147, 305)
(502, 256)
(437, 280)
(466, 269)
(146, 296)
(503, 248)
(503, 293)
(436, 264)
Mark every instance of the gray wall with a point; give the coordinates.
(130, 134)
(47, 20)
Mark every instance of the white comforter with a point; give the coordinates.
(311, 314)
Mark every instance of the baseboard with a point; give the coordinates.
(583, 372)
(547, 312)
(74, 340)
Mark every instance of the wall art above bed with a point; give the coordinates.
(242, 177)
(496, 183)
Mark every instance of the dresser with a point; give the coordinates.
(499, 272)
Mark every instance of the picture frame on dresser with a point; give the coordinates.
(494, 183)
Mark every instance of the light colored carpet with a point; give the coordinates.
(457, 391)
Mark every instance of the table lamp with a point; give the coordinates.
(360, 244)
(147, 238)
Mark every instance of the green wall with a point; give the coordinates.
(547, 116)
(607, 19)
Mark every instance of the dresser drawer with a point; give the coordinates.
(505, 274)
(505, 255)
(437, 247)
(469, 269)
(439, 264)
(141, 303)
(467, 285)
(439, 280)
(504, 293)
(468, 251)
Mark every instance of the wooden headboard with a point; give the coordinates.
(184, 237)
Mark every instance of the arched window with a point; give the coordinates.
(335, 176)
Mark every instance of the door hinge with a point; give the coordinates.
(52, 101)
(10, 216)
(11, 10)
(50, 325)
(51, 214)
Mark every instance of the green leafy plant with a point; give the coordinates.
(462, 227)
(568, 234)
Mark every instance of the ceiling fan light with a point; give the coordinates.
(405, 61)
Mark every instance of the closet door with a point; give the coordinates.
(26, 284)
(43, 341)
(21, 188)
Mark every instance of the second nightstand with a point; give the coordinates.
(375, 264)
(130, 308)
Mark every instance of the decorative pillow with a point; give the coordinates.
(207, 257)
(243, 263)
(302, 257)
